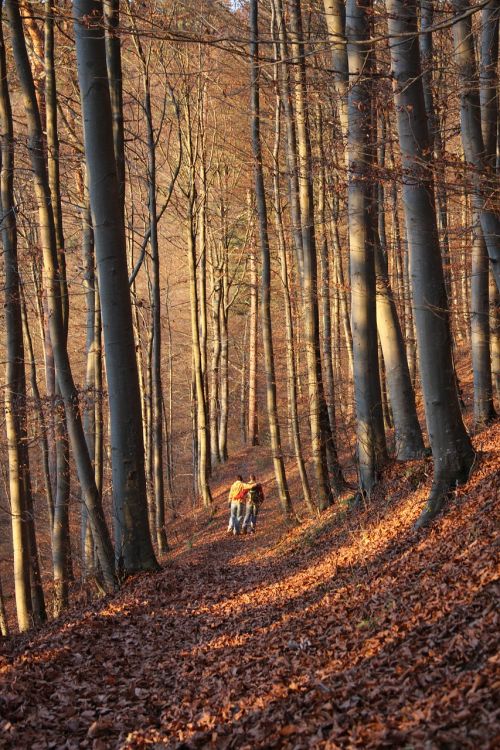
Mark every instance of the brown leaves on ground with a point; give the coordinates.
(350, 631)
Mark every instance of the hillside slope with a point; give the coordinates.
(347, 631)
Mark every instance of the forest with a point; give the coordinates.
(249, 238)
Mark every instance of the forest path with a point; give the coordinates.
(350, 631)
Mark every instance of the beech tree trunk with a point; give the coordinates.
(15, 393)
(323, 448)
(61, 532)
(52, 283)
(484, 179)
(89, 414)
(434, 127)
(371, 448)
(451, 446)
(495, 336)
(114, 67)
(201, 450)
(480, 329)
(265, 298)
(488, 80)
(39, 407)
(214, 405)
(290, 360)
(133, 550)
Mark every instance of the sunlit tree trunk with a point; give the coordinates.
(52, 287)
(202, 245)
(156, 432)
(324, 284)
(335, 22)
(495, 336)
(214, 407)
(484, 180)
(4, 627)
(39, 408)
(253, 421)
(451, 447)
(265, 299)
(323, 448)
(89, 414)
(15, 393)
(480, 329)
(201, 451)
(224, 341)
(282, 53)
(290, 360)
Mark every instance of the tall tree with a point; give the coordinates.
(323, 446)
(133, 548)
(15, 390)
(52, 288)
(483, 177)
(451, 446)
(265, 297)
(371, 448)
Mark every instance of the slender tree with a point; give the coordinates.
(265, 297)
(15, 392)
(484, 180)
(52, 283)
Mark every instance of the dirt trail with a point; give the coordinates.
(348, 631)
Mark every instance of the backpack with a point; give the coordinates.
(255, 494)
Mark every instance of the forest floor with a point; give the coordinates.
(346, 631)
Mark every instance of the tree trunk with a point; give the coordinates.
(495, 336)
(202, 443)
(134, 550)
(265, 298)
(480, 330)
(55, 317)
(15, 393)
(291, 135)
(215, 359)
(323, 448)
(39, 407)
(371, 447)
(290, 360)
(224, 360)
(114, 68)
(61, 533)
(408, 435)
(484, 181)
(335, 22)
(156, 390)
(426, 51)
(451, 447)
(4, 626)
(488, 80)
(253, 420)
(89, 415)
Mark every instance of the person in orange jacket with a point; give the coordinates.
(237, 492)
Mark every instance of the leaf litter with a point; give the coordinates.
(347, 631)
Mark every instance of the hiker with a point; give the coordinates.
(254, 499)
(237, 492)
